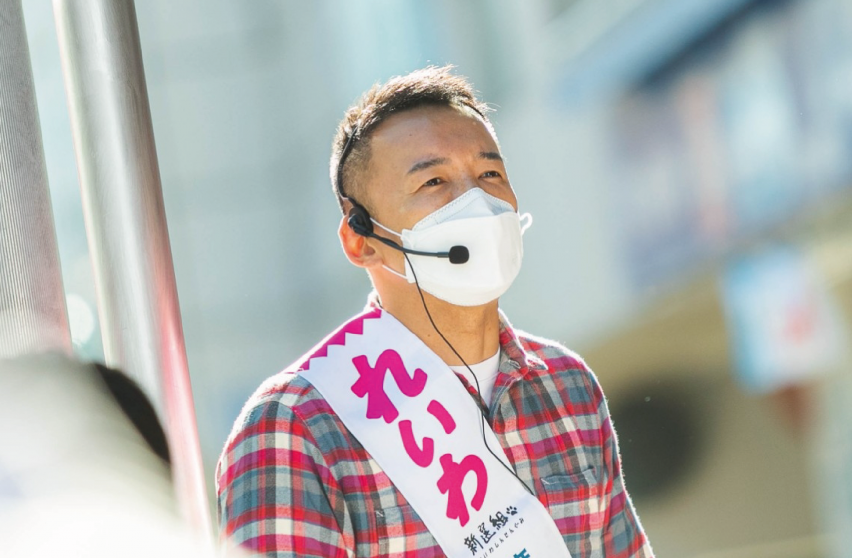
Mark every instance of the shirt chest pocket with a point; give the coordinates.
(575, 501)
(399, 530)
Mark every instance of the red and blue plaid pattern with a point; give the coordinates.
(293, 482)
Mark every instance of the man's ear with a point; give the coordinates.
(356, 247)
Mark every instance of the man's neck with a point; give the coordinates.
(473, 331)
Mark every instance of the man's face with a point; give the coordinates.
(424, 158)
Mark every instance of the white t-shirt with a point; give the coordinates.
(485, 372)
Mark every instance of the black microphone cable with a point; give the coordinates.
(475, 379)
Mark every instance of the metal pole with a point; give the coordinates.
(126, 222)
(32, 301)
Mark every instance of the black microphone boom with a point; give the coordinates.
(456, 255)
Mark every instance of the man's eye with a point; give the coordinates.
(433, 182)
(491, 174)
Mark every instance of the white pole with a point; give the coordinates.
(126, 223)
(32, 301)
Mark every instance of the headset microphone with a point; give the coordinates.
(359, 221)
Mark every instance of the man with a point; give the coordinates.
(428, 426)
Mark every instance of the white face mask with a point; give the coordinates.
(491, 230)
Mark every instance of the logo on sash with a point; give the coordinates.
(414, 417)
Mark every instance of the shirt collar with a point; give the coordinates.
(513, 351)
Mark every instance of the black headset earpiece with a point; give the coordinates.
(359, 220)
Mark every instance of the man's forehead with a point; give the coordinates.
(431, 127)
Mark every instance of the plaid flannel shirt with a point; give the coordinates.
(292, 481)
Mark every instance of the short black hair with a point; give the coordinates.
(430, 86)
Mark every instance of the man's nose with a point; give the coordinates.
(468, 183)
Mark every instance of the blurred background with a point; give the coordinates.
(688, 166)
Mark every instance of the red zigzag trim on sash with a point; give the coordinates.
(354, 326)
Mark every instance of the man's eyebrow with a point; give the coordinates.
(491, 155)
(427, 164)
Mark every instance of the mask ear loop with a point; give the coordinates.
(475, 379)
(397, 273)
(385, 228)
(529, 221)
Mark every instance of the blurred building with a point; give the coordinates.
(654, 141)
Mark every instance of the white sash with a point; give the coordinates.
(415, 418)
